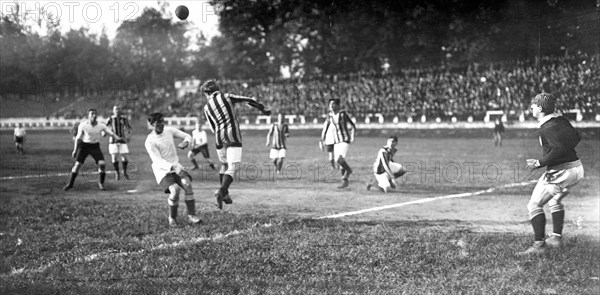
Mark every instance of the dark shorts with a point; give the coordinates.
(92, 149)
(173, 178)
(19, 139)
(329, 148)
(201, 149)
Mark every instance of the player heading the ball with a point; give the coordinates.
(220, 114)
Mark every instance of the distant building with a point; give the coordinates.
(184, 87)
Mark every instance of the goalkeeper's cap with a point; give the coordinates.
(210, 87)
(545, 101)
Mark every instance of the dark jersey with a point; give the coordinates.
(384, 157)
(278, 134)
(558, 139)
(120, 126)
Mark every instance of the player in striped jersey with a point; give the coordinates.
(344, 130)
(327, 144)
(169, 174)
(385, 169)
(276, 140)
(219, 112)
(120, 126)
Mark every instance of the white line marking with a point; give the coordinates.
(420, 201)
(112, 253)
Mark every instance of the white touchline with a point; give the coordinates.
(109, 253)
(420, 201)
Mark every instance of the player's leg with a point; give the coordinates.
(539, 197)
(191, 154)
(340, 152)
(113, 150)
(382, 182)
(329, 149)
(96, 153)
(206, 156)
(233, 156)
(281, 155)
(273, 156)
(561, 184)
(82, 153)
(190, 202)
(173, 201)
(124, 151)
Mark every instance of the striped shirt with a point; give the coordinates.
(277, 135)
(384, 157)
(219, 111)
(120, 126)
(342, 125)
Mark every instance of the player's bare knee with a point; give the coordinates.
(76, 167)
(190, 155)
(232, 169)
(187, 186)
(533, 205)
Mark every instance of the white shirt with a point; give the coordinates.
(20, 132)
(162, 151)
(199, 137)
(89, 133)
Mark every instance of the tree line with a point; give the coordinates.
(306, 38)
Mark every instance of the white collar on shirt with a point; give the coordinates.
(545, 119)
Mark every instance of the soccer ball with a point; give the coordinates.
(182, 12)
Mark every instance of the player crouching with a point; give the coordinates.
(169, 174)
(385, 169)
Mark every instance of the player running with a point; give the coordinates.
(169, 174)
(344, 130)
(87, 142)
(385, 169)
(120, 126)
(276, 140)
(219, 112)
(200, 145)
(558, 139)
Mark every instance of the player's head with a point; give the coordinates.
(543, 103)
(209, 87)
(392, 141)
(92, 115)
(116, 110)
(334, 105)
(157, 121)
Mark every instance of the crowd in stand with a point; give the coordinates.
(434, 92)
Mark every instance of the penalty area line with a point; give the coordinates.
(427, 200)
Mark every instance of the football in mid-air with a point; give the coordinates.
(182, 12)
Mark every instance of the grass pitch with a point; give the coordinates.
(271, 240)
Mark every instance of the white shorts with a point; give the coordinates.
(277, 153)
(340, 150)
(383, 179)
(118, 148)
(230, 154)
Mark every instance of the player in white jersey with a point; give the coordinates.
(87, 142)
(20, 138)
(169, 174)
(276, 139)
(327, 144)
(200, 145)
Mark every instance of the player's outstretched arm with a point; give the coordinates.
(251, 101)
(187, 139)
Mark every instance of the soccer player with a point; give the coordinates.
(200, 145)
(87, 142)
(385, 169)
(120, 126)
(327, 144)
(169, 174)
(276, 140)
(558, 139)
(219, 112)
(498, 131)
(20, 138)
(344, 130)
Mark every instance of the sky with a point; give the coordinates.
(97, 15)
